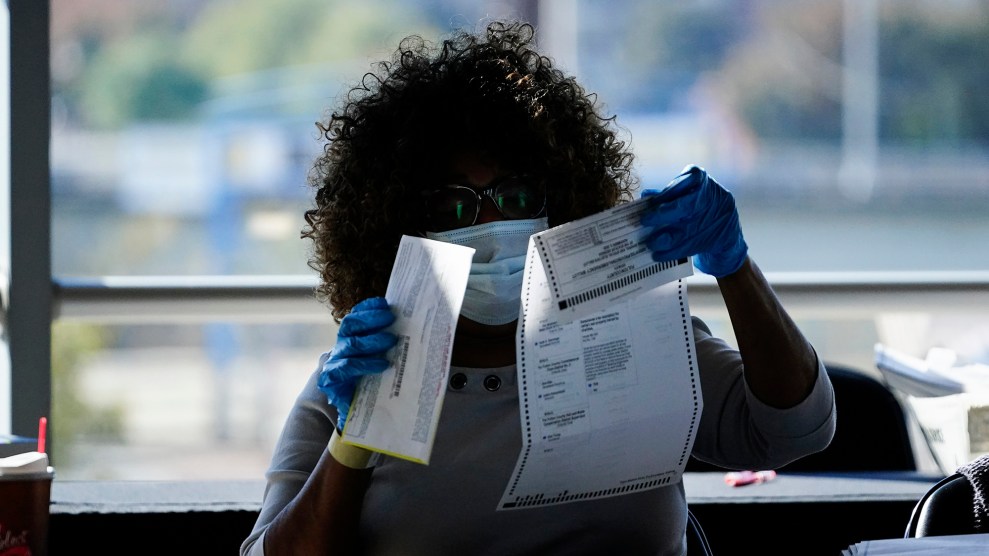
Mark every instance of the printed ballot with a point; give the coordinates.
(597, 261)
(396, 412)
(609, 392)
(610, 402)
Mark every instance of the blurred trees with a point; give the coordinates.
(73, 418)
(232, 38)
(935, 69)
(114, 61)
(139, 78)
(784, 79)
(776, 65)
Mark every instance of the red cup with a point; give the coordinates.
(25, 508)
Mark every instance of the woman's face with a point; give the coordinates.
(464, 195)
(477, 172)
(472, 170)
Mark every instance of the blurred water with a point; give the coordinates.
(794, 239)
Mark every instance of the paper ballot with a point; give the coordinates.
(610, 401)
(597, 261)
(609, 391)
(396, 412)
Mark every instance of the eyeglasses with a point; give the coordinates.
(458, 206)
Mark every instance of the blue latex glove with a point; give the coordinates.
(694, 215)
(360, 350)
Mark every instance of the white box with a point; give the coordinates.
(956, 426)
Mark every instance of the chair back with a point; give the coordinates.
(697, 544)
(871, 431)
(945, 509)
(955, 505)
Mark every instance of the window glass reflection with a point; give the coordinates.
(853, 135)
(164, 402)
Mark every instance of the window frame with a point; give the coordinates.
(28, 306)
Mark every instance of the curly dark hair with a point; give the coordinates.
(398, 130)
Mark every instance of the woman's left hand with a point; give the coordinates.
(694, 215)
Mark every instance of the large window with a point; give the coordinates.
(853, 134)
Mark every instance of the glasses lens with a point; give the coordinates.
(451, 208)
(519, 199)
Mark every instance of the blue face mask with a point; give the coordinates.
(494, 288)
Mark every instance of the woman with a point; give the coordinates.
(483, 136)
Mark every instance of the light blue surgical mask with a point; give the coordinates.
(494, 287)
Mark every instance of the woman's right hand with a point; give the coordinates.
(360, 350)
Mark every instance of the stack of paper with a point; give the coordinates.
(915, 376)
(949, 401)
(956, 545)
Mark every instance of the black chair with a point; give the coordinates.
(956, 505)
(871, 431)
(697, 544)
(945, 509)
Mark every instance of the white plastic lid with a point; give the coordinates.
(28, 463)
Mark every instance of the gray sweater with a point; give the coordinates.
(448, 507)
